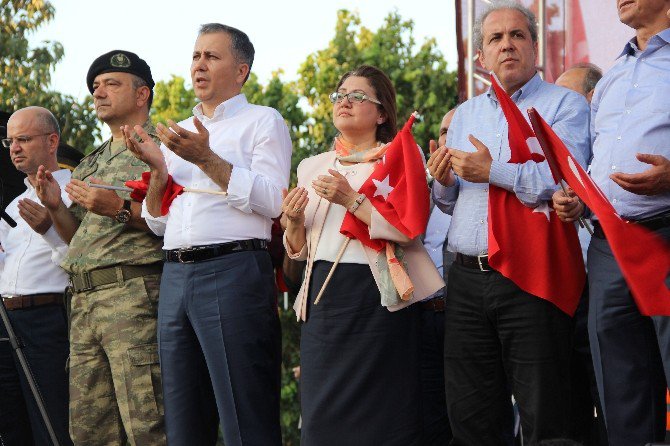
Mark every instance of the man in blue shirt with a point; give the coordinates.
(630, 115)
(499, 338)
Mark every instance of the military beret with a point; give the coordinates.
(119, 61)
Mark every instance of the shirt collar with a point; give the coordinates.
(226, 109)
(59, 175)
(526, 90)
(660, 39)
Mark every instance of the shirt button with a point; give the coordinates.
(635, 85)
(613, 167)
(498, 135)
(628, 112)
(614, 201)
(618, 138)
(481, 222)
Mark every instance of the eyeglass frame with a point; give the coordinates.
(7, 142)
(364, 97)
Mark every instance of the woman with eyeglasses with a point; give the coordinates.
(359, 359)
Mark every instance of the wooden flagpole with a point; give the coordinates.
(332, 270)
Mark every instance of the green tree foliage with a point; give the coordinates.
(25, 72)
(172, 100)
(419, 76)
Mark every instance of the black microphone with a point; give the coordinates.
(10, 221)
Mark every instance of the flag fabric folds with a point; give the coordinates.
(532, 247)
(398, 190)
(140, 187)
(644, 257)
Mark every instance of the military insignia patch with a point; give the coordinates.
(119, 60)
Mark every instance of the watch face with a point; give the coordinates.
(123, 216)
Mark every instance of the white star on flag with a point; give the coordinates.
(544, 208)
(383, 187)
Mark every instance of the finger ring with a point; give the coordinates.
(297, 209)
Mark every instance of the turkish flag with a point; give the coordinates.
(576, 44)
(397, 188)
(140, 187)
(532, 247)
(644, 257)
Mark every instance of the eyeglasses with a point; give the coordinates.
(7, 142)
(354, 97)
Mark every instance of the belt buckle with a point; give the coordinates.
(182, 251)
(481, 265)
(86, 281)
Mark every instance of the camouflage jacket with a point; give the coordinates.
(101, 242)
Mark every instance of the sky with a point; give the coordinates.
(163, 32)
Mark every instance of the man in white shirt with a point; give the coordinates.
(218, 310)
(31, 282)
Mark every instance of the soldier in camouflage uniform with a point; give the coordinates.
(114, 264)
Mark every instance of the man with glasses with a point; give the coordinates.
(114, 266)
(31, 282)
(218, 309)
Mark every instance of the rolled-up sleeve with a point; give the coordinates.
(259, 188)
(156, 224)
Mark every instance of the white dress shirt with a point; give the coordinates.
(256, 141)
(31, 260)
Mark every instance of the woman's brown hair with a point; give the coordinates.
(384, 93)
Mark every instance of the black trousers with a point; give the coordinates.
(43, 331)
(631, 353)
(14, 422)
(434, 419)
(359, 363)
(499, 338)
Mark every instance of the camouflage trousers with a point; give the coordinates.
(115, 382)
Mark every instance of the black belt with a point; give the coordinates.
(202, 253)
(32, 300)
(475, 262)
(93, 279)
(653, 223)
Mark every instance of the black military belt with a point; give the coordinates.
(116, 274)
(32, 300)
(475, 262)
(436, 305)
(653, 223)
(206, 252)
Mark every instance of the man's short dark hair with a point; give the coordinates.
(593, 75)
(242, 48)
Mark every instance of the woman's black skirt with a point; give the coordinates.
(359, 364)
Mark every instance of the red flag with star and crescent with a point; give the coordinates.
(532, 247)
(644, 257)
(397, 188)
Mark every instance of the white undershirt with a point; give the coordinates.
(331, 239)
(31, 260)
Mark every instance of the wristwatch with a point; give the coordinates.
(354, 206)
(123, 214)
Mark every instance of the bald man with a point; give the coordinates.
(31, 282)
(581, 78)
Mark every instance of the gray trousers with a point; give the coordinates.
(631, 353)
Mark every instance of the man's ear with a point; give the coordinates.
(242, 72)
(142, 95)
(480, 57)
(53, 143)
